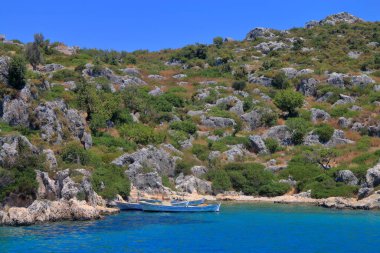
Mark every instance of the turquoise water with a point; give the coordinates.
(237, 228)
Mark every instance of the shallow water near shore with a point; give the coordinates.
(237, 228)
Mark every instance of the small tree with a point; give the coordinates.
(17, 72)
(321, 156)
(239, 85)
(39, 39)
(218, 42)
(289, 101)
(33, 54)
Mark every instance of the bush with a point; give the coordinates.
(324, 132)
(280, 81)
(200, 151)
(75, 153)
(17, 72)
(239, 85)
(301, 169)
(324, 186)
(65, 75)
(218, 42)
(220, 181)
(185, 126)
(274, 189)
(288, 100)
(271, 144)
(299, 128)
(183, 167)
(141, 134)
(109, 181)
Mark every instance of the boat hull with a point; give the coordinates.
(124, 206)
(147, 207)
(190, 203)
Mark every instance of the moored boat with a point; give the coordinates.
(149, 207)
(123, 206)
(191, 202)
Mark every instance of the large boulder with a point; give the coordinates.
(338, 138)
(308, 87)
(146, 166)
(192, 184)
(232, 103)
(255, 118)
(319, 115)
(337, 79)
(217, 122)
(373, 176)
(280, 133)
(199, 171)
(235, 153)
(347, 177)
(262, 33)
(262, 80)
(15, 112)
(10, 148)
(266, 47)
(257, 145)
(361, 80)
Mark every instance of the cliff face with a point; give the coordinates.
(264, 116)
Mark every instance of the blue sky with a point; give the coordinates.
(158, 24)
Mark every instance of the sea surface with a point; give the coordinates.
(237, 228)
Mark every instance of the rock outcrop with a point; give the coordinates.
(192, 184)
(257, 145)
(280, 133)
(146, 166)
(347, 177)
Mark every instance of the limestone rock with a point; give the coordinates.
(308, 87)
(261, 32)
(192, 184)
(257, 144)
(347, 177)
(262, 80)
(281, 133)
(217, 122)
(319, 115)
(199, 171)
(373, 176)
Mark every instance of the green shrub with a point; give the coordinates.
(75, 153)
(288, 100)
(183, 167)
(324, 186)
(17, 72)
(65, 75)
(218, 42)
(109, 181)
(220, 181)
(274, 189)
(238, 180)
(200, 151)
(167, 183)
(271, 144)
(300, 169)
(141, 134)
(185, 126)
(299, 128)
(280, 81)
(239, 85)
(324, 132)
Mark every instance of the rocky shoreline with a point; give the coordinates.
(74, 210)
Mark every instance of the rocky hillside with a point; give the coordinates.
(280, 112)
